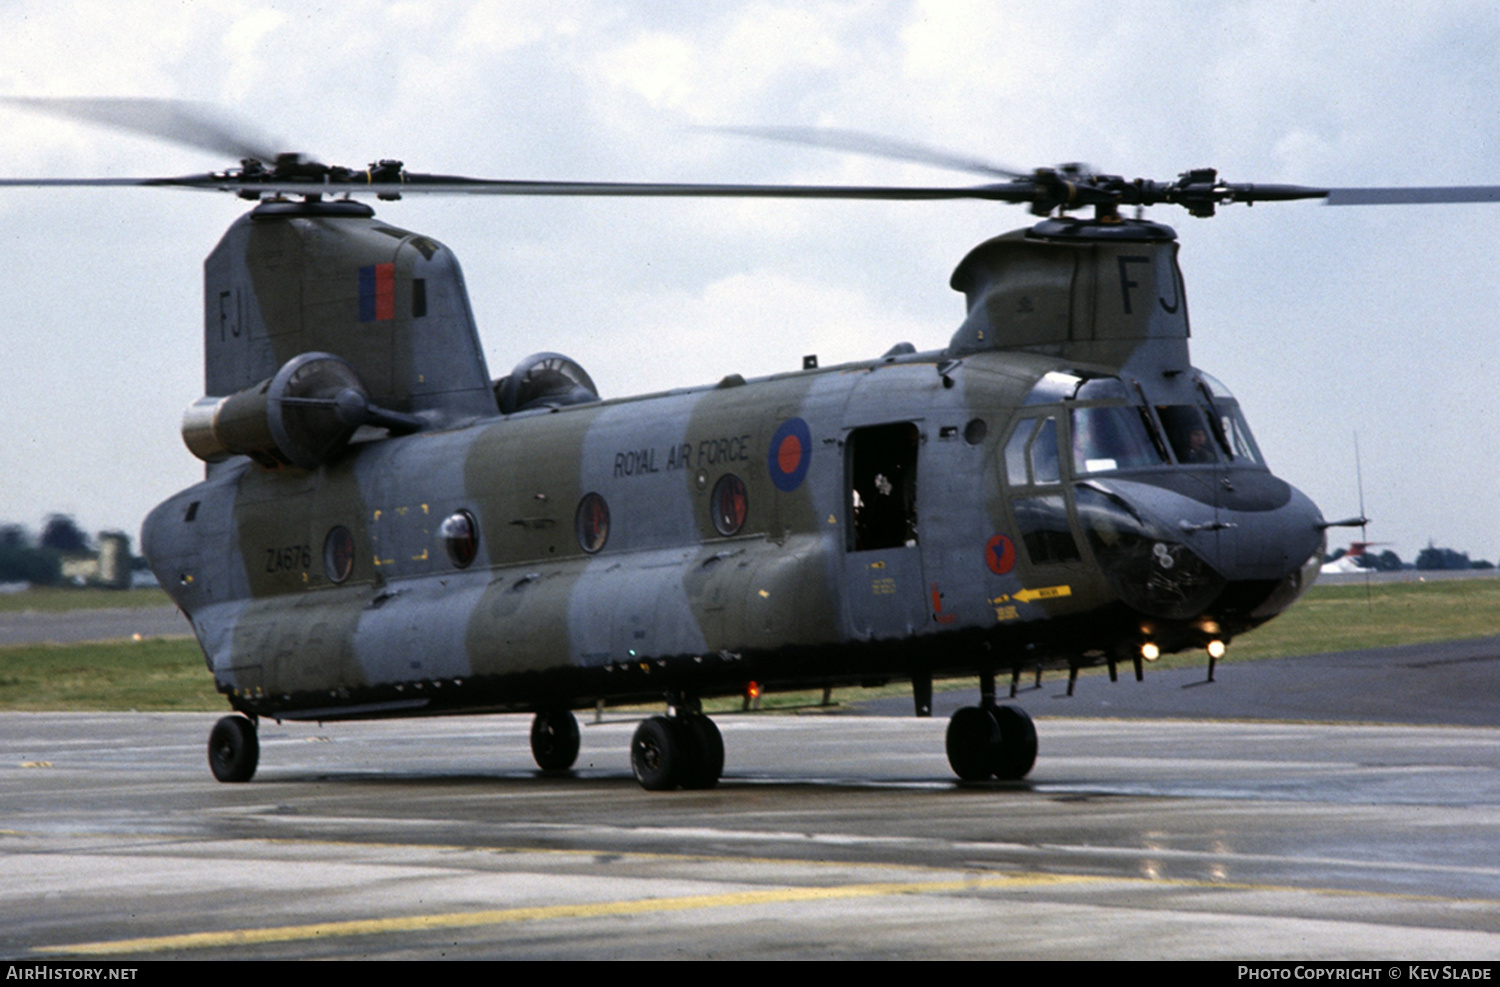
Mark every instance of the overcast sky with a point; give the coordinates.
(1324, 321)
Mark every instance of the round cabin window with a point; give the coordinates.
(729, 504)
(338, 554)
(460, 535)
(592, 523)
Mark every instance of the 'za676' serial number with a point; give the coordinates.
(288, 557)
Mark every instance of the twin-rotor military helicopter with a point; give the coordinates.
(384, 530)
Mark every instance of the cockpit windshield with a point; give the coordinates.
(1118, 429)
(1236, 434)
(1208, 433)
(1227, 422)
(1111, 438)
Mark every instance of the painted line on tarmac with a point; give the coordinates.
(463, 920)
(1023, 880)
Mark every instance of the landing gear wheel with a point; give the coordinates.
(973, 743)
(554, 739)
(1017, 751)
(705, 747)
(658, 754)
(233, 749)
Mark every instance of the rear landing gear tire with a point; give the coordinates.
(657, 754)
(706, 748)
(233, 749)
(685, 751)
(554, 739)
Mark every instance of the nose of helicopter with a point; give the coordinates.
(1239, 546)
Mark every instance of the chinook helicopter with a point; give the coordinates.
(383, 530)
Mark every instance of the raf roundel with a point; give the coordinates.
(1000, 555)
(790, 454)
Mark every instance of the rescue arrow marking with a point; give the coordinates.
(1042, 593)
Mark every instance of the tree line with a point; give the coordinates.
(38, 558)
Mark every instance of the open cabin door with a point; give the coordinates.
(883, 564)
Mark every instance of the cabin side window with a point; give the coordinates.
(882, 472)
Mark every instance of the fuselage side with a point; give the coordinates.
(879, 535)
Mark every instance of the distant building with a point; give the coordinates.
(114, 560)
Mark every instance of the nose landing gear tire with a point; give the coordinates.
(991, 741)
(973, 742)
(1017, 753)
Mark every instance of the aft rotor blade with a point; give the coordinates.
(882, 147)
(1009, 192)
(179, 121)
(1415, 195)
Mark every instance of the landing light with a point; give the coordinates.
(1216, 649)
(1150, 652)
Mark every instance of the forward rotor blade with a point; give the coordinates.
(457, 185)
(1416, 195)
(178, 121)
(882, 147)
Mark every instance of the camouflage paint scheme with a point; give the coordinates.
(669, 606)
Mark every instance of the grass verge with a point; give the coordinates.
(154, 674)
(52, 599)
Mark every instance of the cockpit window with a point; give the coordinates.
(1015, 453)
(1035, 444)
(1188, 432)
(1043, 524)
(1044, 464)
(1102, 389)
(1062, 385)
(1237, 434)
(1226, 422)
(1054, 388)
(1111, 438)
(1215, 387)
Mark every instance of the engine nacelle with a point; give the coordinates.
(544, 380)
(299, 417)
